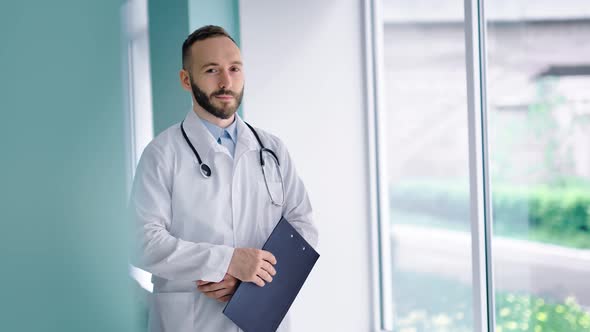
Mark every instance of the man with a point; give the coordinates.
(202, 202)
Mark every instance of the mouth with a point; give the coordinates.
(224, 97)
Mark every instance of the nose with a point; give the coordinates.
(225, 80)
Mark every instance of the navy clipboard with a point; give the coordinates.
(262, 309)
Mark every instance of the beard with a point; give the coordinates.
(204, 100)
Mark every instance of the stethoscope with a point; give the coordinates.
(206, 170)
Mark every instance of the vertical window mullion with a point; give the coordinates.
(480, 212)
(379, 215)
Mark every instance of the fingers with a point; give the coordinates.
(212, 287)
(265, 276)
(248, 264)
(267, 256)
(228, 283)
(258, 281)
(221, 295)
(269, 268)
(221, 291)
(266, 270)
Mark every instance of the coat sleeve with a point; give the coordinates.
(297, 207)
(156, 250)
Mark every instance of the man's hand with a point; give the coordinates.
(252, 265)
(221, 291)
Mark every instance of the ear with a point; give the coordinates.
(185, 80)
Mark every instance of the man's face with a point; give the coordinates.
(216, 77)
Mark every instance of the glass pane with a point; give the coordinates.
(427, 165)
(539, 130)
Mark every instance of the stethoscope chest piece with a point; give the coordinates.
(205, 170)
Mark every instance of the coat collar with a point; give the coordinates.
(205, 143)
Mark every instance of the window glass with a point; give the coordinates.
(538, 82)
(427, 165)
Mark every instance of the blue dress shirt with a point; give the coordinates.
(227, 137)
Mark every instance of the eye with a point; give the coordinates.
(235, 69)
(211, 71)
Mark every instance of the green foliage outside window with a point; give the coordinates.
(559, 214)
(529, 313)
(513, 313)
(427, 303)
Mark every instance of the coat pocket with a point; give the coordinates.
(172, 312)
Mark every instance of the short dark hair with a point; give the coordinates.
(202, 33)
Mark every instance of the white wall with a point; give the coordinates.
(305, 83)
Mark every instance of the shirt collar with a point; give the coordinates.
(217, 132)
(204, 142)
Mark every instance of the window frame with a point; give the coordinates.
(137, 91)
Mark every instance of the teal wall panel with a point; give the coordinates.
(168, 28)
(170, 22)
(64, 236)
(224, 13)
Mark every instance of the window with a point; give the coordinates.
(538, 66)
(482, 169)
(138, 93)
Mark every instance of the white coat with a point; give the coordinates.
(188, 226)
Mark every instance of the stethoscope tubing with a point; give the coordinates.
(206, 170)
